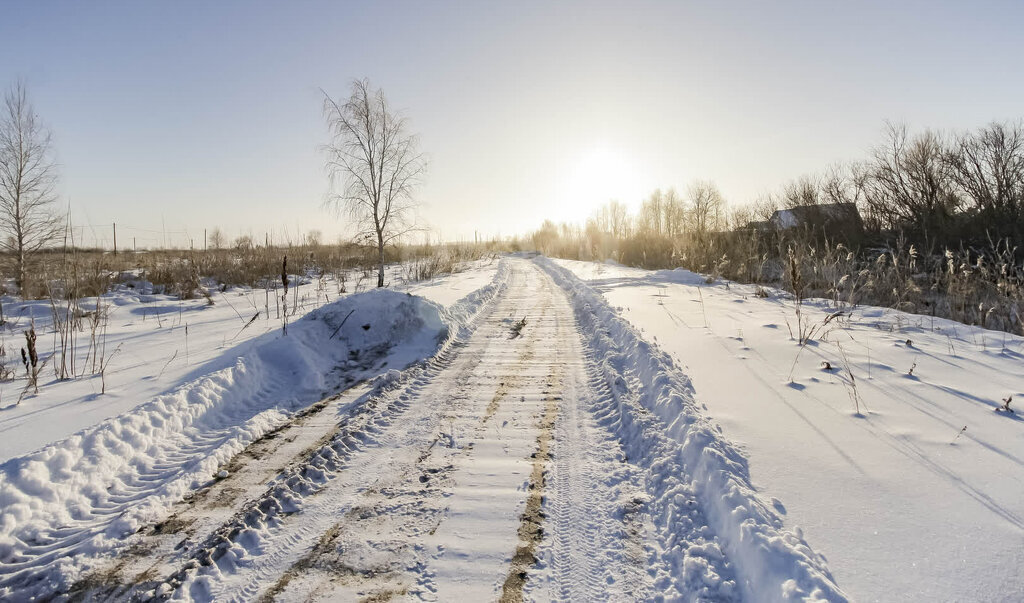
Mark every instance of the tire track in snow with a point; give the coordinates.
(218, 516)
(155, 550)
(376, 551)
(276, 530)
(367, 553)
(532, 518)
(717, 539)
(483, 549)
(72, 503)
(637, 500)
(596, 549)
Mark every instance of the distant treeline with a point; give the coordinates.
(936, 190)
(924, 216)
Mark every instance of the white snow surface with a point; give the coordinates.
(698, 453)
(77, 498)
(770, 563)
(904, 505)
(421, 491)
(163, 341)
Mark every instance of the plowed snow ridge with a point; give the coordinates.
(661, 423)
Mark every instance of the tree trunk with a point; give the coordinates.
(380, 271)
(21, 270)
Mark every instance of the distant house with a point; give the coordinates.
(833, 220)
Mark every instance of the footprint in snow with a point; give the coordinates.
(781, 508)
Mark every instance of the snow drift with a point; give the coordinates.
(83, 495)
(227, 554)
(769, 562)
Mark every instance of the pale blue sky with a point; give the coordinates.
(197, 115)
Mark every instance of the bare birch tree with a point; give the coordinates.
(674, 213)
(374, 164)
(706, 206)
(29, 218)
(613, 218)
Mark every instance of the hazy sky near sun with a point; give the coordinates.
(190, 115)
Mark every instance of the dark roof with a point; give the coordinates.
(824, 213)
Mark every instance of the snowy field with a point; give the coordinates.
(545, 429)
(903, 505)
(162, 342)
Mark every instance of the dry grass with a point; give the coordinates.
(189, 274)
(976, 286)
(425, 262)
(73, 280)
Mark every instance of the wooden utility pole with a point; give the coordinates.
(115, 238)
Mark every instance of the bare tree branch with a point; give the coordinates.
(374, 166)
(29, 219)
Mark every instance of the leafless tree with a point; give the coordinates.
(740, 216)
(29, 218)
(673, 213)
(844, 183)
(618, 218)
(764, 207)
(375, 166)
(613, 218)
(217, 239)
(988, 167)
(706, 206)
(802, 192)
(662, 214)
(651, 218)
(909, 183)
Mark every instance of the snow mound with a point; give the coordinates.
(81, 496)
(769, 562)
(231, 545)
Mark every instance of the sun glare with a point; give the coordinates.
(598, 175)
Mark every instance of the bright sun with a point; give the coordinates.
(598, 175)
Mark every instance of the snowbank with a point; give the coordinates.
(256, 525)
(770, 563)
(902, 500)
(83, 495)
(162, 342)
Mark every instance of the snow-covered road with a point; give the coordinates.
(546, 452)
